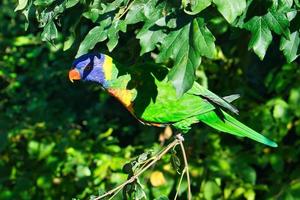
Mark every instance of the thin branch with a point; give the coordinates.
(180, 138)
(179, 184)
(134, 177)
(125, 11)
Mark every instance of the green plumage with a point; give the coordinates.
(147, 94)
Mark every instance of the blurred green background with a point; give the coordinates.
(61, 141)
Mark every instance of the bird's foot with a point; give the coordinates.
(180, 137)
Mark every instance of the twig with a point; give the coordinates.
(134, 177)
(186, 166)
(179, 184)
(125, 11)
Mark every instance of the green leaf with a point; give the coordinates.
(175, 161)
(197, 6)
(284, 5)
(69, 42)
(297, 2)
(140, 10)
(95, 35)
(278, 22)
(162, 198)
(194, 40)
(71, 3)
(211, 190)
(151, 34)
(26, 12)
(21, 5)
(149, 37)
(204, 39)
(139, 191)
(83, 171)
(92, 14)
(249, 194)
(290, 47)
(43, 2)
(247, 173)
(50, 32)
(230, 9)
(113, 35)
(261, 36)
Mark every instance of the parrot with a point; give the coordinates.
(151, 98)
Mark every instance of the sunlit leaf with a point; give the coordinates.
(261, 35)
(290, 47)
(195, 41)
(21, 5)
(230, 9)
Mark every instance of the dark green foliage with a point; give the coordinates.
(60, 140)
(162, 26)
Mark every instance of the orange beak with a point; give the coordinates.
(74, 75)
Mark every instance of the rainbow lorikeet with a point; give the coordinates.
(151, 99)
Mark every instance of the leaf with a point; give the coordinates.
(249, 194)
(278, 22)
(211, 190)
(162, 198)
(290, 47)
(43, 2)
(50, 32)
(140, 10)
(92, 14)
(150, 34)
(149, 37)
(139, 191)
(261, 36)
(230, 9)
(21, 5)
(83, 171)
(95, 35)
(197, 6)
(69, 42)
(247, 173)
(284, 5)
(297, 2)
(204, 39)
(113, 35)
(71, 3)
(194, 40)
(176, 162)
(26, 12)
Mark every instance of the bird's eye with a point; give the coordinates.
(88, 68)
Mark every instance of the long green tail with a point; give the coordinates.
(228, 124)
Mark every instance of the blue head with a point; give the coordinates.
(88, 67)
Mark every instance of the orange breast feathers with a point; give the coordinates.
(124, 96)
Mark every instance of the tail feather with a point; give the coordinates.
(228, 124)
(231, 98)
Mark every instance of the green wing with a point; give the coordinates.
(165, 107)
(226, 123)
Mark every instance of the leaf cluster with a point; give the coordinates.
(183, 32)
